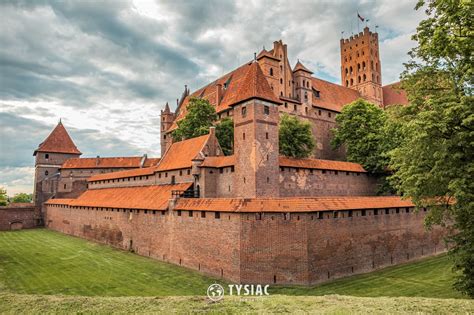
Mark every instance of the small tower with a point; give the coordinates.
(256, 118)
(303, 83)
(166, 119)
(360, 65)
(49, 157)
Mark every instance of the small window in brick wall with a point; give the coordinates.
(266, 135)
(363, 213)
(190, 213)
(203, 214)
(387, 211)
(179, 213)
(258, 216)
(217, 215)
(46, 156)
(243, 136)
(189, 172)
(46, 173)
(266, 110)
(244, 111)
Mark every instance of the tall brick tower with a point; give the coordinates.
(360, 65)
(304, 85)
(166, 119)
(49, 156)
(256, 118)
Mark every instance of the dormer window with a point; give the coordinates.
(317, 93)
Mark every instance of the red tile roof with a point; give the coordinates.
(392, 94)
(329, 203)
(268, 54)
(219, 161)
(124, 174)
(180, 154)
(58, 141)
(321, 164)
(254, 85)
(300, 66)
(333, 96)
(144, 197)
(209, 92)
(109, 162)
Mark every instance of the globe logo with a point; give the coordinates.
(215, 292)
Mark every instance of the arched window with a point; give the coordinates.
(365, 77)
(281, 81)
(363, 65)
(304, 83)
(352, 82)
(358, 67)
(347, 83)
(376, 66)
(358, 79)
(306, 95)
(46, 156)
(347, 71)
(307, 84)
(46, 173)
(271, 71)
(350, 69)
(372, 65)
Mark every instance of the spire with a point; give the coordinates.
(58, 141)
(254, 85)
(299, 66)
(167, 108)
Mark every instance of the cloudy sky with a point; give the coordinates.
(108, 67)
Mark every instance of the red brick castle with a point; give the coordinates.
(254, 216)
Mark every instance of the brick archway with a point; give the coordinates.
(16, 225)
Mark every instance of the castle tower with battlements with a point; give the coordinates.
(360, 65)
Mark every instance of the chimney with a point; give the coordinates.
(212, 131)
(218, 93)
(143, 160)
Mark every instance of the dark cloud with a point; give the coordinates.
(108, 67)
(20, 136)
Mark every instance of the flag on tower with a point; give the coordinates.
(360, 17)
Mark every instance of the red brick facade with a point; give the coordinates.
(283, 248)
(17, 217)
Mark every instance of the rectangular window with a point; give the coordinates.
(190, 213)
(266, 110)
(221, 170)
(376, 212)
(203, 214)
(217, 215)
(189, 172)
(179, 213)
(244, 111)
(363, 213)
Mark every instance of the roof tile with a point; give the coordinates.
(58, 141)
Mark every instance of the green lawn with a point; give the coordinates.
(49, 263)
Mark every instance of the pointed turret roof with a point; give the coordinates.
(58, 141)
(254, 85)
(167, 108)
(300, 66)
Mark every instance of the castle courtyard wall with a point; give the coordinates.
(265, 248)
(299, 182)
(14, 217)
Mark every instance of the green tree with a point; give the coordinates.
(3, 197)
(360, 128)
(295, 137)
(22, 197)
(225, 135)
(434, 163)
(200, 116)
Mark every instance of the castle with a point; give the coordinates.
(254, 216)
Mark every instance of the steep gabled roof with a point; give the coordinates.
(180, 154)
(254, 85)
(268, 54)
(333, 96)
(144, 197)
(300, 66)
(58, 141)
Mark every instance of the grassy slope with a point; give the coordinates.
(53, 265)
(330, 304)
